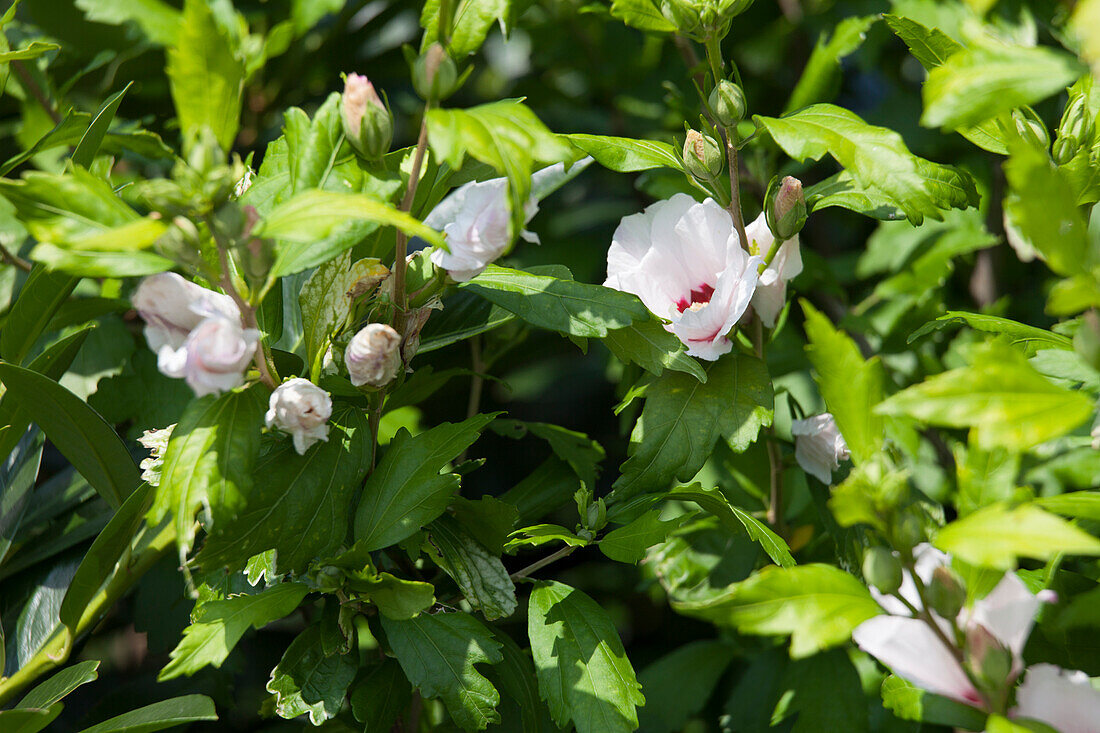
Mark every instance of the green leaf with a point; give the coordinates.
(820, 78)
(102, 557)
(205, 76)
(650, 346)
(307, 681)
(505, 135)
(209, 462)
(299, 504)
(520, 707)
(471, 23)
(569, 307)
(1018, 333)
(694, 670)
(629, 543)
(39, 299)
(1042, 210)
(89, 144)
(817, 605)
(301, 221)
(876, 157)
(995, 536)
(438, 653)
(578, 450)
(850, 386)
(68, 207)
(28, 720)
(33, 50)
(395, 597)
(158, 20)
(480, 575)
(1078, 504)
(909, 702)
(407, 490)
(218, 625)
(736, 519)
(488, 520)
(160, 715)
(978, 83)
(540, 534)
(18, 475)
(45, 694)
(641, 14)
(550, 485)
(840, 190)
(683, 419)
(626, 155)
(77, 430)
(380, 695)
(1000, 397)
(583, 672)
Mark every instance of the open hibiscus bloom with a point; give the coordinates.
(685, 262)
(771, 293)
(910, 647)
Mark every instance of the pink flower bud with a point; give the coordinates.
(302, 409)
(373, 355)
(172, 306)
(368, 125)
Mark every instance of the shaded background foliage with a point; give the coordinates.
(580, 72)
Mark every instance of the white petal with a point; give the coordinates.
(1060, 698)
(1008, 612)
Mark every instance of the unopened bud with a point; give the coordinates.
(301, 409)
(434, 75)
(987, 659)
(373, 356)
(1074, 130)
(368, 125)
(702, 19)
(728, 103)
(703, 156)
(882, 569)
(908, 531)
(946, 592)
(1031, 128)
(785, 208)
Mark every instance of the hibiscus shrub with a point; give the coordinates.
(297, 418)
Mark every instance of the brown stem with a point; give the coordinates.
(399, 296)
(13, 259)
(775, 457)
(730, 135)
(414, 712)
(32, 88)
(540, 564)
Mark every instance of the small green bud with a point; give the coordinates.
(946, 592)
(908, 531)
(1086, 342)
(882, 569)
(1074, 130)
(329, 579)
(703, 156)
(702, 19)
(1064, 150)
(785, 207)
(987, 659)
(368, 125)
(728, 103)
(1031, 128)
(435, 76)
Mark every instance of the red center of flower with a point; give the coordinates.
(698, 295)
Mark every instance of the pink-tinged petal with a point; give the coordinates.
(1008, 612)
(1063, 699)
(913, 652)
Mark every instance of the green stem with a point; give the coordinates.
(540, 564)
(399, 296)
(729, 136)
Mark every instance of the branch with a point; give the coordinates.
(399, 296)
(540, 564)
(13, 259)
(32, 88)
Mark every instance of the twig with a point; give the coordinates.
(775, 457)
(399, 296)
(13, 259)
(540, 564)
(32, 88)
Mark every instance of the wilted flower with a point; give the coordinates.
(173, 306)
(771, 292)
(475, 218)
(684, 260)
(368, 125)
(214, 356)
(818, 446)
(373, 355)
(156, 442)
(301, 408)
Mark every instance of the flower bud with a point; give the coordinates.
(172, 307)
(373, 355)
(987, 659)
(301, 408)
(1075, 129)
(946, 592)
(908, 531)
(882, 569)
(435, 75)
(703, 156)
(214, 356)
(702, 19)
(728, 103)
(368, 125)
(785, 208)
(1064, 149)
(1031, 128)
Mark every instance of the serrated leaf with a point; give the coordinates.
(406, 490)
(627, 155)
(209, 461)
(736, 519)
(650, 346)
(438, 654)
(582, 668)
(1018, 333)
(307, 681)
(683, 419)
(876, 157)
(481, 576)
(630, 542)
(644, 15)
(995, 536)
(1000, 397)
(540, 534)
(380, 695)
(217, 626)
(299, 504)
(395, 597)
